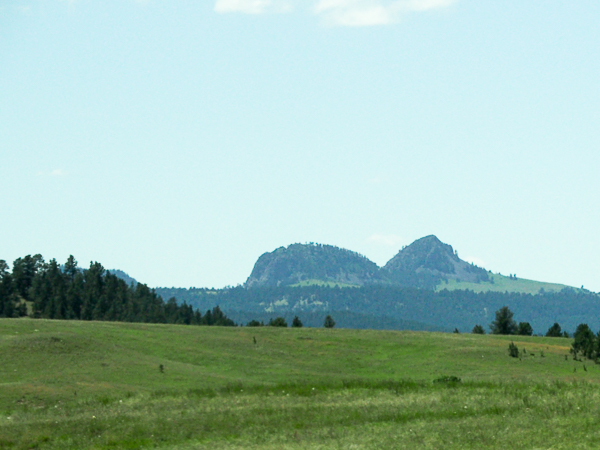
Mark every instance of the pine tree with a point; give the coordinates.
(554, 331)
(504, 323)
(524, 329)
(296, 323)
(583, 341)
(329, 322)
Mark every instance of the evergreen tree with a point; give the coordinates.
(554, 331)
(24, 271)
(93, 289)
(74, 296)
(329, 322)
(478, 329)
(296, 323)
(504, 323)
(7, 292)
(583, 341)
(524, 329)
(71, 270)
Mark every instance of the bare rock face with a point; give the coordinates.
(303, 262)
(427, 262)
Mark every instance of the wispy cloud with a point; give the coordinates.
(389, 240)
(253, 6)
(360, 13)
(475, 260)
(355, 13)
(53, 173)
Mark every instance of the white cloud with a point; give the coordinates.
(338, 12)
(252, 6)
(358, 13)
(475, 260)
(390, 240)
(58, 173)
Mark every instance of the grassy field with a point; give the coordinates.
(503, 284)
(323, 283)
(74, 385)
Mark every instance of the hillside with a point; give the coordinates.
(382, 306)
(501, 283)
(428, 262)
(313, 263)
(78, 385)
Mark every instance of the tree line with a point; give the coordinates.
(296, 322)
(460, 308)
(48, 290)
(504, 323)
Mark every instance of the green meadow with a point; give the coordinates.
(101, 385)
(502, 283)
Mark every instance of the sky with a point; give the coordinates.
(179, 141)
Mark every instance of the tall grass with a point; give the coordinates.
(76, 385)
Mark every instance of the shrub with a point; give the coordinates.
(478, 329)
(513, 350)
(278, 322)
(445, 379)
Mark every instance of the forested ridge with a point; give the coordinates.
(41, 289)
(417, 308)
(47, 290)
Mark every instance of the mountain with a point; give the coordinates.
(313, 264)
(427, 262)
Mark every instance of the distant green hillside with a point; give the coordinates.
(501, 283)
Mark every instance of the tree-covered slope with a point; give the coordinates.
(385, 306)
(300, 263)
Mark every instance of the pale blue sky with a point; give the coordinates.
(178, 141)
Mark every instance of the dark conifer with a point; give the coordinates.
(329, 322)
(504, 323)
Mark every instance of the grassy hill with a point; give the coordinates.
(501, 283)
(71, 384)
